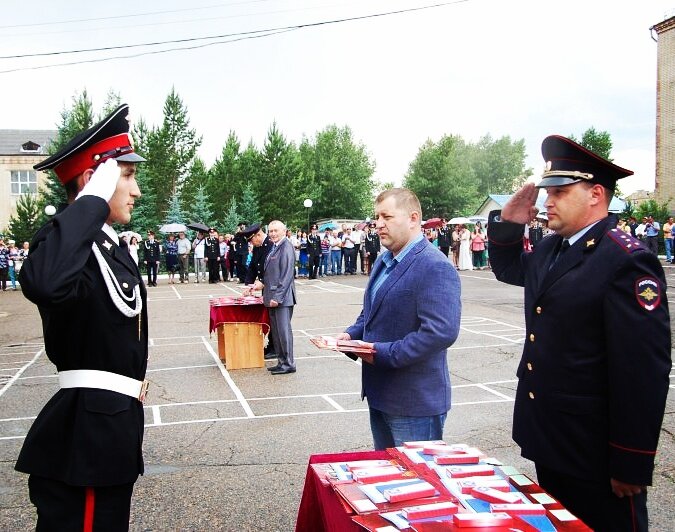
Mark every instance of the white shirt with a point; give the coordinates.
(199, 248)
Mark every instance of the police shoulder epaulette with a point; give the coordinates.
(626, 241)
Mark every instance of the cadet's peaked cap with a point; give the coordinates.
(567, 162)
(250, 230)
(109, 139)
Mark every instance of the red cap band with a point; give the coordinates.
(92, 156)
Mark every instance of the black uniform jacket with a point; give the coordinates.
(83, 436)
(373, 243)
(594, 374)
(256, 269)
(150, 251)
(313, 245)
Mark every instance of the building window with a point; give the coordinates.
(23, 182)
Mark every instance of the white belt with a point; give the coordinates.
(104, 380)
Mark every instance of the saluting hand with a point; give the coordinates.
(520, 208)
(103, 181)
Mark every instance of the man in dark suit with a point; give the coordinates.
(151, 258)
(411, 314)
(594, 374)
(313, 251)
(279, 296)
(83, 452)
(444, 237)
(255, 274)
(240, 252)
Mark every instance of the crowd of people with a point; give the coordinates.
(11, 260)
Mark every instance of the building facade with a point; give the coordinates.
(19, 150)
(664, 33)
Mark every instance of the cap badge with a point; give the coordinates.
(548, 166)
(648, 293)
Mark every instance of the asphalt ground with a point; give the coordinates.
(228, 450)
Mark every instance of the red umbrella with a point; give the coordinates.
(432, 223)
(361, 226)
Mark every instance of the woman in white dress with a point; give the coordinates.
(133, 249)
(465, 262)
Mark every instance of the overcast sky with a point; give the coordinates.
(522, 68)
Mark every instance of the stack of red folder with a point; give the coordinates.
(348, 346)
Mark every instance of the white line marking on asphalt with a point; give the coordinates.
(332, 403)
(228, 379)
(156, 415)
(176, 291)
(19, 373)
(498, 394)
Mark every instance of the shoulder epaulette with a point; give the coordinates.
(626, 241)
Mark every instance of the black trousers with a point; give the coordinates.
(152, 268)
(594, 503)
(313, 266)
(64, 508)
(214, 269)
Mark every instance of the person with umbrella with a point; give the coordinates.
(171, 256)
(183, 257)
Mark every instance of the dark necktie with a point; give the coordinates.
(563, 247)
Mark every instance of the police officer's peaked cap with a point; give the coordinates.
(250, 230)
(567, 162)
(109, 139)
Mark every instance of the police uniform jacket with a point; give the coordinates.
(212, 248)
(85, 436)
(256, 269)
(594, 373)
(444, 237)
(241, 245)
(150, 251)
(313, 245)
(372, 243)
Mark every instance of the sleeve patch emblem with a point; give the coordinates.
(648, 293)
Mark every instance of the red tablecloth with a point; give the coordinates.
(238, 313)
(320, 508)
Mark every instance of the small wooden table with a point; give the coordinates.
(241, 324)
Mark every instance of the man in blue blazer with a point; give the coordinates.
(410, 316)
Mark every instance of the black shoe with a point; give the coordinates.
(270, 356)
(274, 368)
(281, 371)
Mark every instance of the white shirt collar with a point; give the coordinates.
(112, 234)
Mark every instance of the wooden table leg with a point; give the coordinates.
(221, 342)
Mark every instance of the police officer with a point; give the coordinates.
(151, 257)
(83, 452)
(256, 269)
(314, 251)
(591, 392)
(212, 255)
(240, 252)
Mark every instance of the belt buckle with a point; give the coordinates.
(144, 391)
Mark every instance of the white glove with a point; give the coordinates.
(103, 182)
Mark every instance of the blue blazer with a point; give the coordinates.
(412, 320)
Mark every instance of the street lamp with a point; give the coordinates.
(308, 205)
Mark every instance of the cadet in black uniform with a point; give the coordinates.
(256, 269)
(313, 252)
(241, 252)
(83, 452)
(372, 245)
(212, 256)
(594, 374)
(444, 238)
(151, 258)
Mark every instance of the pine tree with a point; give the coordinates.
(174, 214)
(197, 178)
(201, 211)
(28, 219)
(232, 218)
(249, 206)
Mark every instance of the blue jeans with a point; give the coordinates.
(336, 261)
(12, 276)
(323, 267)
(391, 431)
(669, 248)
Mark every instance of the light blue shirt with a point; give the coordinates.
(389, 263)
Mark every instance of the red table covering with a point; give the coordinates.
(229, 310)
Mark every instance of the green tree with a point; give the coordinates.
(145, 216)
(278, 189)
(170, 150)
(201, 210)
(224, 178)
(336, 174)
(651, 207)
(29, 217)
(443, 179)
(76, 119)
(232, 217)
(174, 213)
(198, 177)
(599, 142)
(249, 210)
(499, 165)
